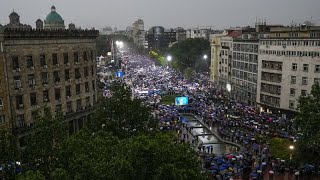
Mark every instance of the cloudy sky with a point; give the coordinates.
(168, 13)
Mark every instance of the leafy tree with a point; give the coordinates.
(31, 175)
(280, 148)
(308, 121)
(188, 73)
(44, 145)
(189, 53)
(9, 153)
(122, 115)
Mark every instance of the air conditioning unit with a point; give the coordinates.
(20, 89)
(45, 66)
(57, 65)
(20, 105)
(18, 69)
(68, 97)
(32, 67)
(34, 87)
(46, 99)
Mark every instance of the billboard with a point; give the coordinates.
(119, 74)
(180, 101)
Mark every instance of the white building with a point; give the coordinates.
(288, 66)
(138, 33)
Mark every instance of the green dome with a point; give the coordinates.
(53, 17)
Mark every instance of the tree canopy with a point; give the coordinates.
(189, 54)
(308, 122)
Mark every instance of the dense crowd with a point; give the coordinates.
(233, 121)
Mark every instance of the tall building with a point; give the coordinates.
(159, 38)
(138, 33)
(288, 66)
(46, 68)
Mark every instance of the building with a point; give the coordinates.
(51, 68)
(201, 33)
(288, 66)
(106, 30)
(159, 38)
(138, 33)
(181, 34)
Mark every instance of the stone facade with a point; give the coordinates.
(47, 68)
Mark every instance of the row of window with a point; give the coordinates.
(272, 65)
(56, 76)
(43, 59)
(290, 53)
(245, 47)
(290, 43)
(244, 66)
(245, 85)
(244, 75)
(304, 80)
(305, 67)
(34, 97)
(272, 89)
(270, 100)
(271, 77)
(245, 57)
(293, 92)
(79, 104)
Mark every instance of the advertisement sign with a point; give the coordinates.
(181, 101)
(119, 74)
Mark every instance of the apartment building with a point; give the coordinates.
(288, 66)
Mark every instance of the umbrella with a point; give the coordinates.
(271, 172)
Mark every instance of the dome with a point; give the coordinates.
(53, 17)
(14, 14)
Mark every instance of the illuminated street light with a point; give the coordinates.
(291, 147)
(205, 57)
(169, 58)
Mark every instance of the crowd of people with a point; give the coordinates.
(233, 121)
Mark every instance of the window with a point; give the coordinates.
(1, 102)
(304, 80)
(55, 59)
(69, 107)
(56, 76)
(316, 80)
(292, 92)
(317, 68)
(293, 79)
(78, 90)
(43, 61)
(305, 67)
(291, 104)
(20, 120)
(68, 91)
(79, 104)
(58, 108)
(44, 77)
(15, 62)
(77, 73)
(2, 119)
(65, 58)
(17, 82)
(19, 101)
(76, 57)
(294, 66)
(86, 73)
(85, 56)
(91, 55)
(57, 94)
(45, 96)
(66, 74)
(92, 70)
(86, 85)
(29, 61)
(303, 93)
(33, 99)
(31, 80)
(93, 86)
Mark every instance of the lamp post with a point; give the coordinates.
(205, 57)
(169, 58)
(229, 95)
(291, 147)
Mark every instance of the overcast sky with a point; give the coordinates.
(167, 13)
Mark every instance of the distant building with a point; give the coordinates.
(138, 33)
(39, 24)
(201, 33)
(106, 30)
(53, 68)
(158, 38)
(15, 22)
(180, 34)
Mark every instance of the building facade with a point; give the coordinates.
(288, 66)
(138, 33)
(53, 69)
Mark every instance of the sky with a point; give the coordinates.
(219, 14)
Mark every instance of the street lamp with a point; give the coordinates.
(291, 147)
(169, 58)
(205, 57)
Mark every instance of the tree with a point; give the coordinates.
(123, 115)
(9, 154)
(44, 144)
(189, 53)
(308, 121)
